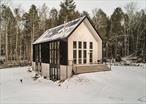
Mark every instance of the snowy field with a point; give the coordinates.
(124, 84)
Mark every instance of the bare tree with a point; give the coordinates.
(43, 11)
(135, 24)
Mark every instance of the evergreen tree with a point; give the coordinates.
(101, 23)
(34, 27)
(116, 22)
(43, 13)
(34, 22)
(26, 37)
(9, 24)
(67, 11)
(85, 13)
(18, 35)
(52, 21)
(116, 32)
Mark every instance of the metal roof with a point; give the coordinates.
(59, 32)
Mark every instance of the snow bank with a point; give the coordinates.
(124, 84)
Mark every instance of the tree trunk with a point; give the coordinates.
(16, 52)
(6, 45)
(0, 40)
(32, 39)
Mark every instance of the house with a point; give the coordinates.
(60, 50)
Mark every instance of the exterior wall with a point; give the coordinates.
(87, 34)
(65, 72)
(97, 37)
(33, 65)
(45, 70)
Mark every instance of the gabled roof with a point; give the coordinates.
(59, 32)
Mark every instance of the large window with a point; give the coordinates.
(91, 52)
(91, 45)
(74, 52)
(45, 57)
(80, 45)
(84, 56)
(84, 45)
(81, 50)
(91, 56)
(74, 44)
(75, 56)
(80, 57)
(84, 52)
(54, 55)
(54, 60)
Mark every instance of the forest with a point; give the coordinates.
(123, 33)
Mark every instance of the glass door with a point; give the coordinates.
(54, 61)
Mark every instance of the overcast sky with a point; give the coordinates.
(107, 6)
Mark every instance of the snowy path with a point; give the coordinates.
(124, 84)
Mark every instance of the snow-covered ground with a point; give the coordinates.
(124, 84)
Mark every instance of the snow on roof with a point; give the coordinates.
(59, 32)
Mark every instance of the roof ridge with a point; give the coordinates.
(50, 33)
(66, 23)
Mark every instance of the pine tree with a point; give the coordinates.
(26, 37)
(85, 13)
(135, 30)
(116, 33)
(43, 12)
(34, 27)
(67, 11)
(9, 24)
(100, 21)
(19, 36)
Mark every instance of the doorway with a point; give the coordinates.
(54, 60)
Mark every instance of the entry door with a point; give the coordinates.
(54, 61)
(54, 72)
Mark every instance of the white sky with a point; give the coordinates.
(107, 6)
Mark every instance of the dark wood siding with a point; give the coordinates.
(63, 52)
(33, 53)
(45, 52)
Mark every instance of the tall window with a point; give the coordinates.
(84, 56)
(91, 56)
(75, 56)
(91, 45)
(85, 45)
(50, 45)
(91, 52)
(74, 44)
(80, 45)
(84, 52)
(74, 52)
(80, 56)
(79, 52)
(54, 49)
